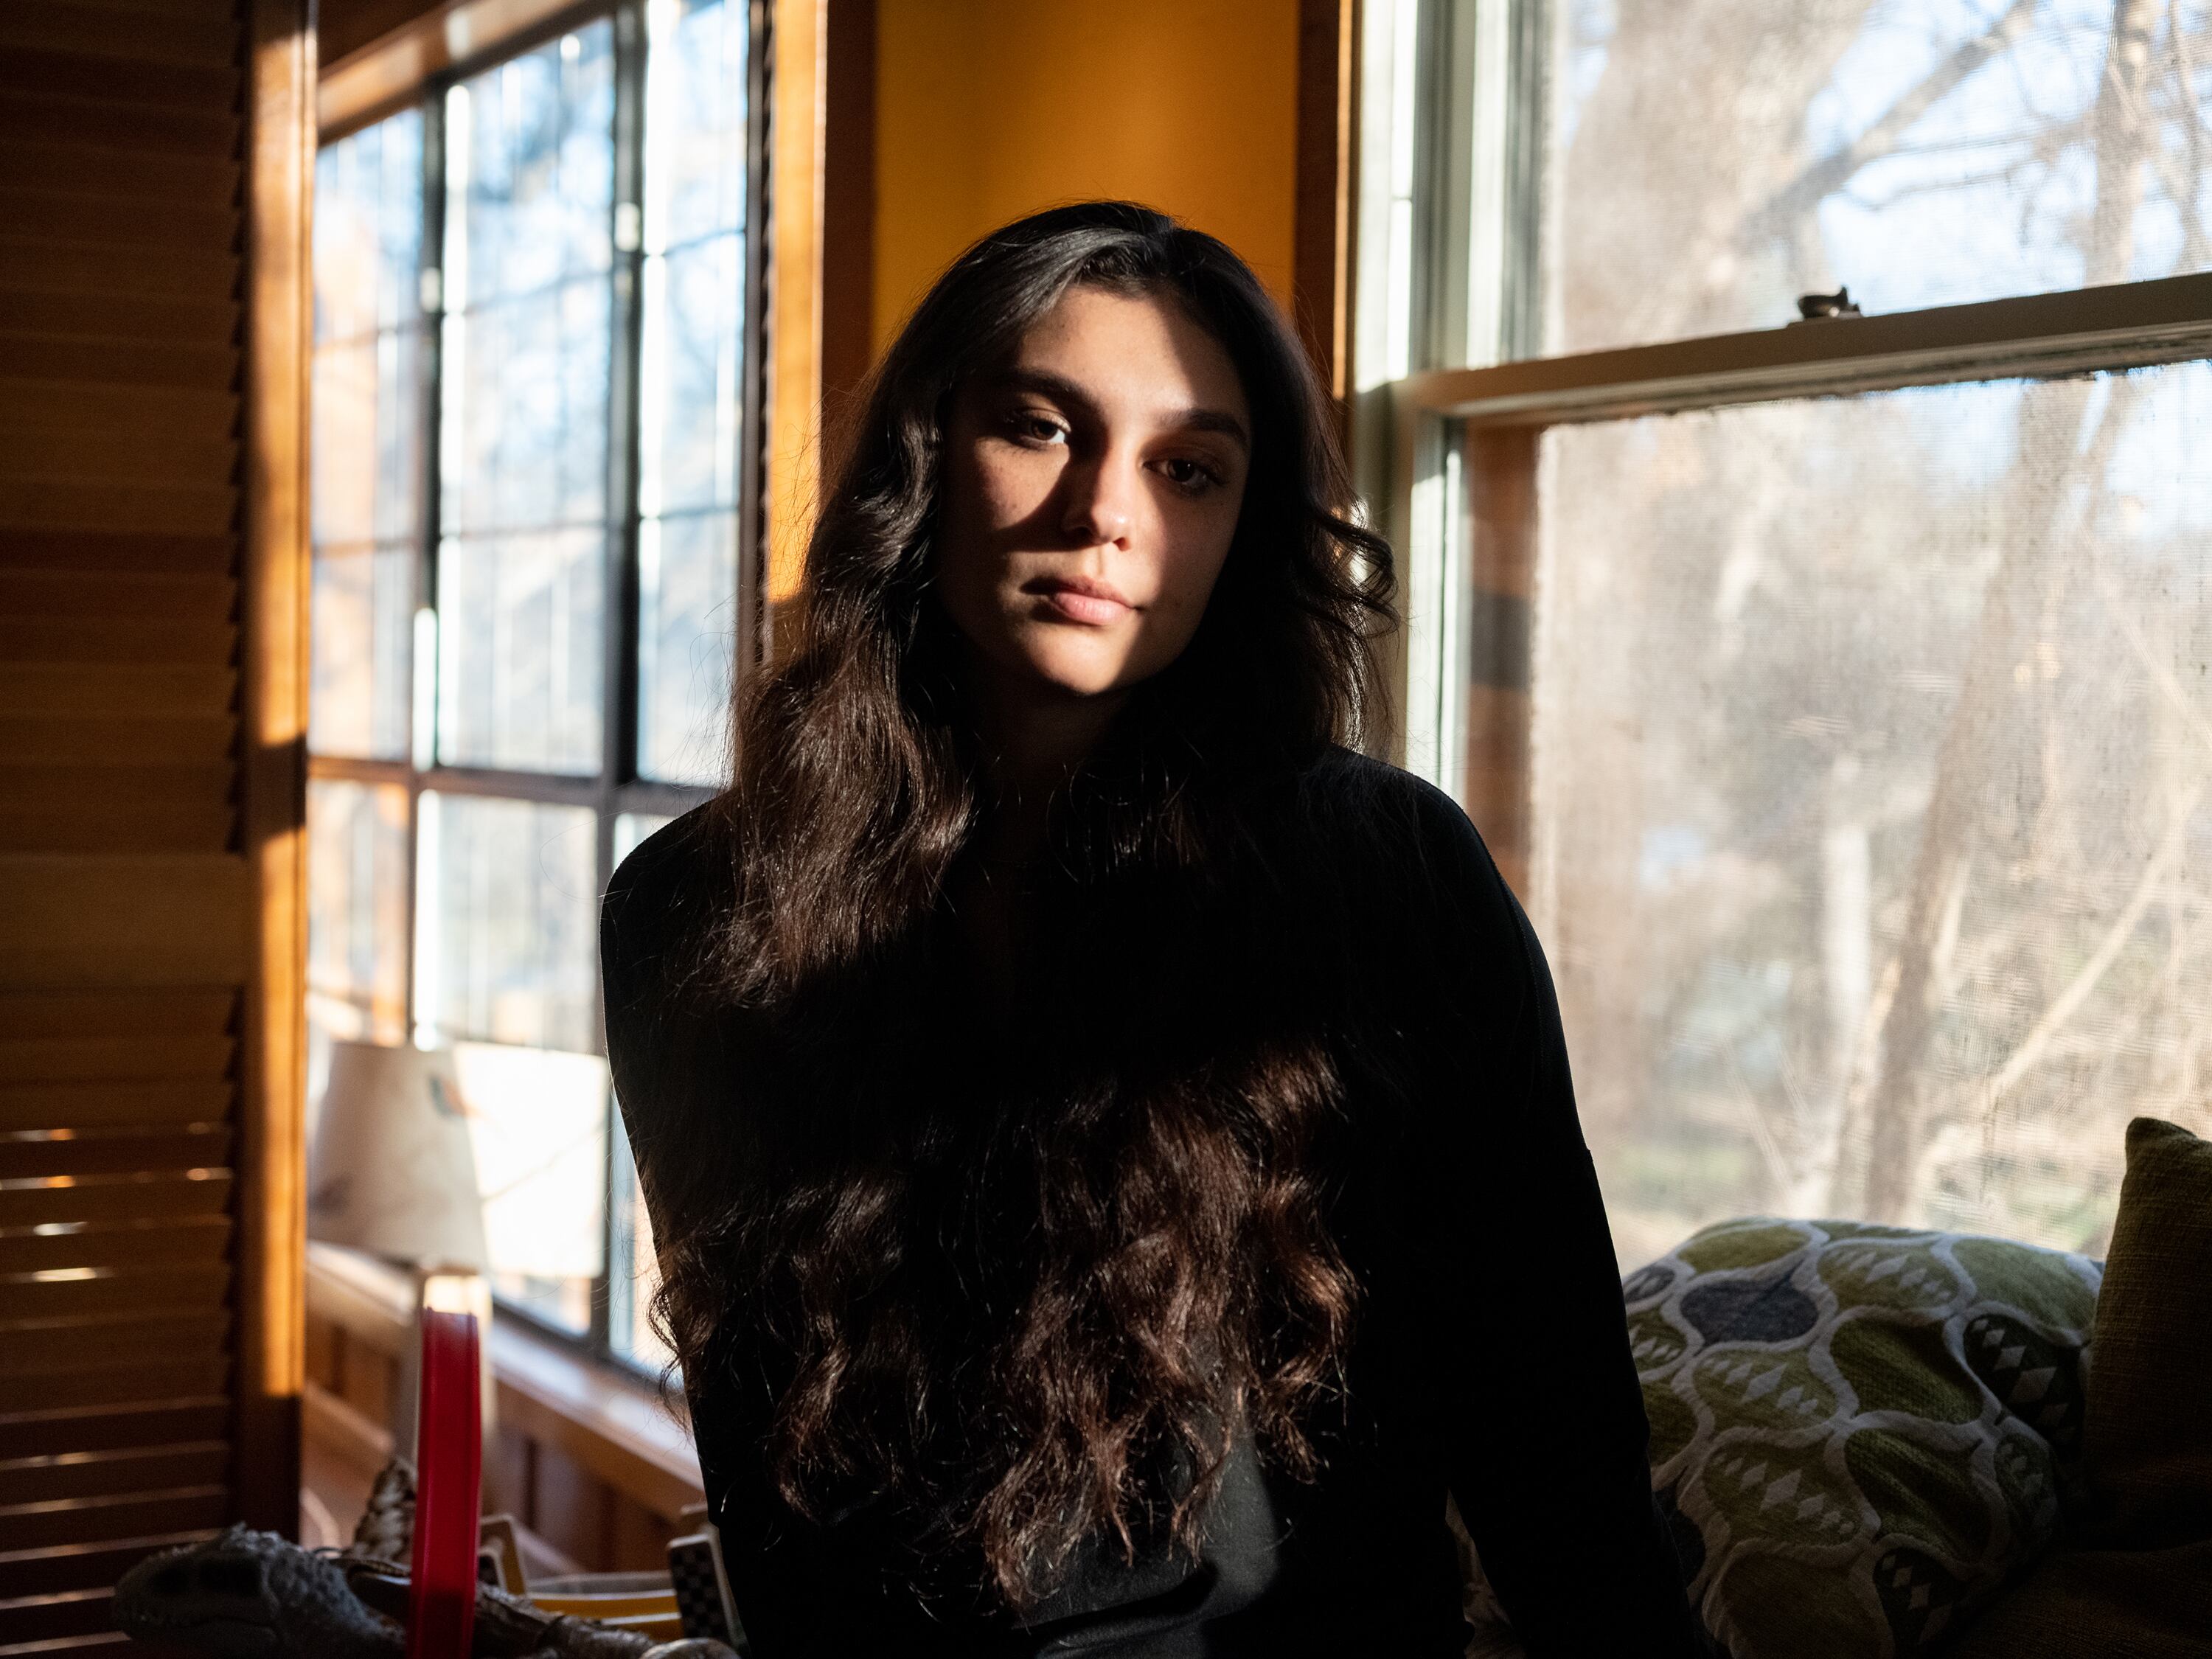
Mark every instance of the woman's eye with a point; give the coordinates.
(1036, 428)
(1186, 474)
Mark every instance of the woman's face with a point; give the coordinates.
(1090, 493)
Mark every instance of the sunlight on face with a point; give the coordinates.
(1090, 492)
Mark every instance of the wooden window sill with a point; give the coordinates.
(609, 1421)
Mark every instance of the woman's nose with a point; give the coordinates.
(1100, 504)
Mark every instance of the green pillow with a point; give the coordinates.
(1859, 1432)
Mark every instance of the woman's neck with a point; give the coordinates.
(1032, 739)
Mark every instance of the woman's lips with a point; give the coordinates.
(1081, 599)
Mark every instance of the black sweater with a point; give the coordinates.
(1489, 1359)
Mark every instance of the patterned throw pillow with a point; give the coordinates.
(1858, 1432)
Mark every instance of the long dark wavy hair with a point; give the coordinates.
(1002, 1295)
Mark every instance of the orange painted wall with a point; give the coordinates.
(988, 109)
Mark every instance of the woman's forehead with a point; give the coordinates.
(1133, 352)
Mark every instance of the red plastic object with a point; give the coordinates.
(449, 1472)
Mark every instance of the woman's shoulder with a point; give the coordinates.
(662, 898)
(1367, 809)
(1411, 866)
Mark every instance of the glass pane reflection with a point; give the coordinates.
(538, 1125)
(357, 837)
(694, 113)
(508, 905)
(632, 827)
(1872, 815)
(361, 649)
(521, 662)
(687, 646)
(368, 229)
(530, 170)
(525, 422)
(1922, 155)
(689, 392)
(634, 1275)
(366, 448)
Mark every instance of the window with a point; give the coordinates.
(1837, 692)
(534, 505)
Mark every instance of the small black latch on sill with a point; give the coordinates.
(1813, 307)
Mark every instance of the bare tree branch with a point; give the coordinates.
(2068, 1002)
(2124, 135)
(2047, 457)
(1836, 169)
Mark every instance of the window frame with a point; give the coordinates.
(1440, 448)
(1449, 454)
(374, 85)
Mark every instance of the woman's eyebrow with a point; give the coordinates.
(1066, 392)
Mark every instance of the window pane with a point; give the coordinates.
(695, 112)
(632, 827)
(530, 170)
(689, 385)
(505, 948)
(357, 909)
(367, 445)
(1715, 161)
(538, 1125)
(525, 421)
(687, 646)
(521, 632)
(368, 229)
(634, 1276)
(363, 608)
(1873, 832)
(521, 583)
(691, 361)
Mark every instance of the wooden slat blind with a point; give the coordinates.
(133, 798)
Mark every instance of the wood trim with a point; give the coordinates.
(1321, 274)
(363, 1446)
(1501, 475)
(2128, 325)
(272, 1227)
(798, 42)
(618, 1429)
(390, 72)
(849, 211)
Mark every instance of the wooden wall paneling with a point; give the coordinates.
(206, 183)
(368, 1379)
(75, 1568)
(637, 1538)
(35, 110)
(507, 1472)
(184, 1422)
(135, 920)
(154, 163)
(570, 1509)
(174, 33)
(100, 1103)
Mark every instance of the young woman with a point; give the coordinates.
(1111, 1147)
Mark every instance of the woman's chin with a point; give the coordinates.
(1078, 673)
